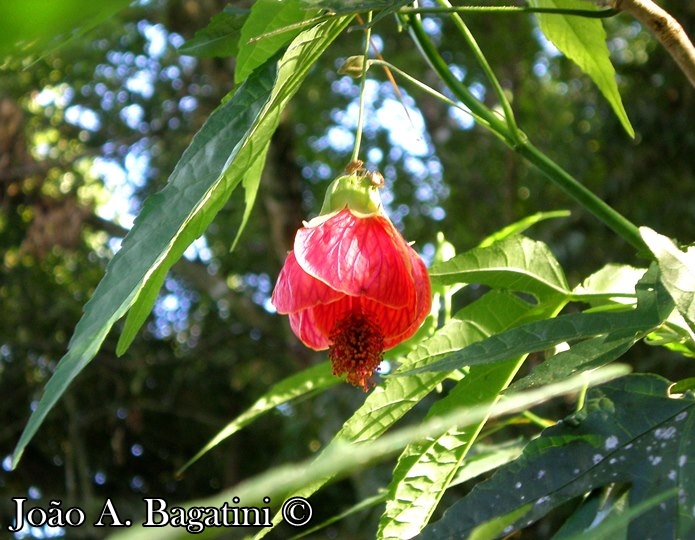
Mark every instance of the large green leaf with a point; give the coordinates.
(583, 40)
(346, 457)
(677, 272)
(217, 160)
(588, 354)
(250, 177)
(606, 443)
(34, 27)
(610, 288)
(612, 285)
(270, 25)
(516, 263)
(653, 306)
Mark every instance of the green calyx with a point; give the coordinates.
(357, 191)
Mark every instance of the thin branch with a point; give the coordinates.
(363, 86)
(435, 10)
(666, 29)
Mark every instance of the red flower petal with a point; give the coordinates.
(304, 326)
(296, 290)
(392, 322)
(423, 300)
(359, 256)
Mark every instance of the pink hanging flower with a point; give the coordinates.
(352, 284)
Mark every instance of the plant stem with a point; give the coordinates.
(520, 144)
(591, 14)
(482, 61)
(363, 84)
(431, 91)
(489, 119)
(592, 203)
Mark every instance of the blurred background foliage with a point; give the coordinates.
(91, 129)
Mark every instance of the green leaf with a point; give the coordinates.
(604, 444)
(521, 226)
(580, 357)
(485, 459)
(341, 459)
(426, 468)
(251, 183)
(145, 301)
(677, 272)
(613, 517)
(35, 27)
(168, 223)
(220, 38)
(516, 263)
(267, 17)
(495, 527)
(653, 307)
(613, 284)
(211, 167)
(310, 380)
(538, 336)
(360, 506)
(583, 40)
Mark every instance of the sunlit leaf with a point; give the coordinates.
(653, 307)
(677, 272)
(521, 226)
(426, 468)
(583, 40)
(35, 27)
(261, 37)
(516, 263)
(614, 283)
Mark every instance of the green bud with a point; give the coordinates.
(445, 250)
(353, 66)
(354, 191)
